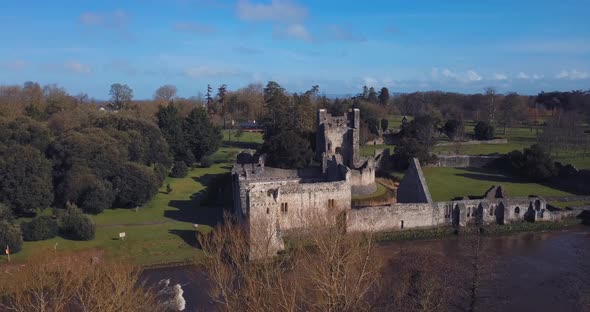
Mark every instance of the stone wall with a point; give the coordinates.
(390, 218)
(290, 203)
(363, 178)
(453, 213)
(464, 161)
(475, 142)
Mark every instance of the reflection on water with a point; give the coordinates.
(547, 271)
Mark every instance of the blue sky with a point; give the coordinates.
(84, 46)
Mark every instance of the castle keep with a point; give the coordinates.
(271, 201)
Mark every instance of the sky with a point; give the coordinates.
(524, 46)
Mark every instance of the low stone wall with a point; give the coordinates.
(464, 161)
(475, 142)
(388, 218)
(364, 189)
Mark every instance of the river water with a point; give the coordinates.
(540, 271)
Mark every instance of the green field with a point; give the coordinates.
(519, 138)
(448, 183)
(564, 205)
(161, 231)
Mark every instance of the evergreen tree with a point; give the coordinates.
(203, 138)
(384, 96)
(372, 96)
(172, 126)
(25, 179)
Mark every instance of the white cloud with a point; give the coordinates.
(573, 74)
(525, 76)
(276, 11)
(498, 76)
(77, 67)
(293, 31)
(446, 74)
(370, 81)
(473, 76)
(195, 28)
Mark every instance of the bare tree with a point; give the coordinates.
(165, 93)
(121, 96)
(49, 282)
(329, 271)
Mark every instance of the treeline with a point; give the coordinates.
(59, 152)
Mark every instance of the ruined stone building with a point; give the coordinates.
(273, 201)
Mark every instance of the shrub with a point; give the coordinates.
(206, 162)
(97, 197)
(40, 228)
(384, 124)
(76, 225)
(180, 170)
(535, 163)
(10, 235)
(25, 179)
(454, 129)
(483, 131)
(411, 148)
(161, 172)
(5, 213)
(189, 158)
(136, 185)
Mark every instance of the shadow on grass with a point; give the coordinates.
(205, 206)
(188, 236)
(241, 145)
(503, 176)
(491, 175)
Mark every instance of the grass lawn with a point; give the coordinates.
(570, 204)
(448, 183)
(162, 230)
(381, 190)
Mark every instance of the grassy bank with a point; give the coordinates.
(160, 232)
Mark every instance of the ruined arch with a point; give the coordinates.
(500, 210)
(530, 214)
(456, 216)
(478, 213)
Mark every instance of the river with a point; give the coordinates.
(539, 271)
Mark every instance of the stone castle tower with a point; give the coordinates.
(338, 137)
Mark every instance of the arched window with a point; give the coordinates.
(468, 212)
(517, 210)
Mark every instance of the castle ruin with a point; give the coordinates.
(271, 202)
